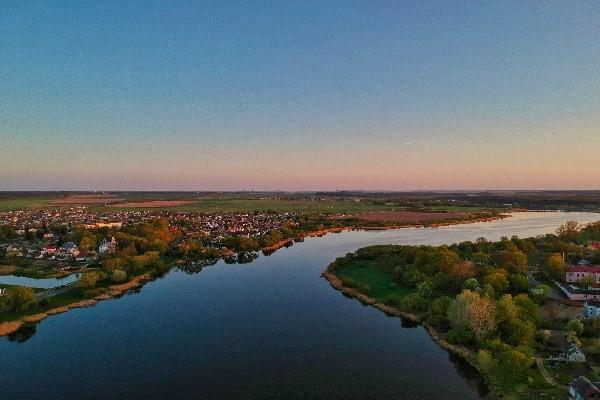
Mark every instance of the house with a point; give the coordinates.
(2, 291)
(68, 247)
(574, 292)
(590, 312)
(84, 256)
(107, 247)
(575, 273)
(582, 389)
(574, 353)
(48, 235)
(50, 249)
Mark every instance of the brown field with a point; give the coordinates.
(154, 204)
(408, 216)
(87, 199)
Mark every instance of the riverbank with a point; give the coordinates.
(111, 292)
(323, 232)
(465, 353)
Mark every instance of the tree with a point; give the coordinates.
(514, 324)
(480, 259)
(541, 291)
(569, 231)
(554, 267)
(474, 312)
(575, 326)
(88, 242)
(513, 261)
(19, 298)
(413, 302)
(88, 279)
(424, 289)
(471, 284)
(463, 270)
(497, 280)
(118, 275)
(587, 281)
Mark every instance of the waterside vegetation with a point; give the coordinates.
(486, 301)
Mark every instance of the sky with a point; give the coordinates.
(299, 95)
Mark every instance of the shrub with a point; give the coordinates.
(91, 293)
(413, 302)
(574, 325)
(460, 336)
(118, 275)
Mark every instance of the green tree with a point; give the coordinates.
(424, 289)
(118, 275)
(471, 284)
(20, 298)
(575, 326)
(498, 281)
(554, 267)
(587, 281)
(88, 279)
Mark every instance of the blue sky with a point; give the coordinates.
(299, 95)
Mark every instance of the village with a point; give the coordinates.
(45, 234)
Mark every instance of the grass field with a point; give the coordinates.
(204, 202)
(279, 205)
(21, 203)
(378, 281)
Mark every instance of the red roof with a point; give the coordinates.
(583, 268)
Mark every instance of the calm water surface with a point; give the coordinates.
(271, 329)
(47, 283)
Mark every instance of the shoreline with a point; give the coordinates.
(465, 353)
(339, 229)
(117, 290)
(114, 291)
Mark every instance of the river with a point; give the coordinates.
(270, 329)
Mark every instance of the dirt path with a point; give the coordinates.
(545, 374)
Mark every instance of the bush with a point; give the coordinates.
(393, 300)
(88, 279)
(460, 336)
(413, 302)
(19, 298)
(118, 275)
(91, 293)
(574, 325)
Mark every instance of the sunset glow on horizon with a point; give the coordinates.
(299, 96)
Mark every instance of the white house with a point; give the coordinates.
(590, 312)
(574, 354)
(107, 247)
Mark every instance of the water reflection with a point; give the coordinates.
(470, 374)
(25, 333)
